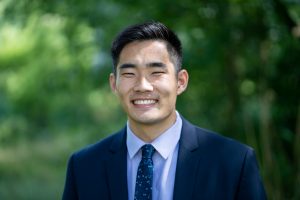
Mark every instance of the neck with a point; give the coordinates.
(149, 132)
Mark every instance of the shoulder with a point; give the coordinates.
(219, 152)
(222, 159)
(213, 143)
(102, 148)
(221, 142)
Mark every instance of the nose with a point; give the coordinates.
(143, 85)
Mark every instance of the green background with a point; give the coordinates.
(242, 55)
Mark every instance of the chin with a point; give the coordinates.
(149, 118)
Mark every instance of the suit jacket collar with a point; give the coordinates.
(185, 171)
(119, 142)
(187, 162)
(117, 167)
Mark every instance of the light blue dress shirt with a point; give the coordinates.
(164, 160)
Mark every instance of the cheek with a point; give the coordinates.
(121, 85)
(167, 89)
(122, 90)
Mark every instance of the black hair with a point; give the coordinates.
(148, 31)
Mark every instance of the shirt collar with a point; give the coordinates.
(164, 144)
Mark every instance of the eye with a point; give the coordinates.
(158, 73)
(127, 74)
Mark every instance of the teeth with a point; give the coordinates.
(144, 102)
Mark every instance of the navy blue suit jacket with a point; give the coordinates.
(209, 166)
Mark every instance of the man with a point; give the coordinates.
(159, 155)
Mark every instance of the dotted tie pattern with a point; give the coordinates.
(143, 185)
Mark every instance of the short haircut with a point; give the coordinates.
(148, 31)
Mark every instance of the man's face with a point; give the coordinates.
(147, 83)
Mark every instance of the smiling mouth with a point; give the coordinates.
(144, 102)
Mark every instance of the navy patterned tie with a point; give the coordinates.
(143, 185)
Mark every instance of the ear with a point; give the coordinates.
(112, 82)
(182, 81)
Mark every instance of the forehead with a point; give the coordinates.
(144, 51)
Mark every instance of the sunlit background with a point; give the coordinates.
(244, 62)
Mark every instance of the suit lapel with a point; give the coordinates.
(186, 169)
(187, 163)
(117, 168)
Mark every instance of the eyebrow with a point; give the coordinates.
(151, 64)
(127, 65)
(156, 64)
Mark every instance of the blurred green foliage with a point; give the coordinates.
(243, 59)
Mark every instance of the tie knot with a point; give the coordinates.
(147, 151)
